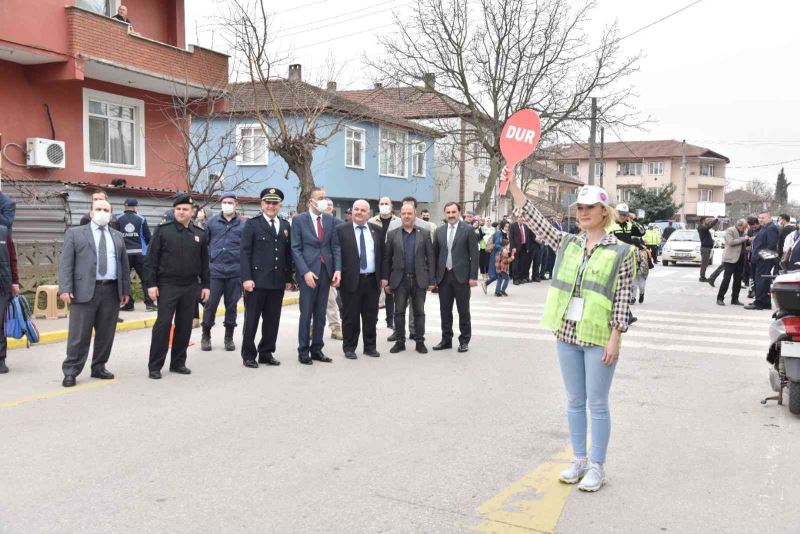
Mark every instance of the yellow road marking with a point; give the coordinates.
(54, 393)
(532, 504)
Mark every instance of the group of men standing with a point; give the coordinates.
(262, 257)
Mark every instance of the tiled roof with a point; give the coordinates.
(137, 191)
(300, 97)
(631, 150)
(551, 174)
(408, 102)
(742, 196)
(548, 208)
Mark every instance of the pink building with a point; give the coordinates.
(104, 89)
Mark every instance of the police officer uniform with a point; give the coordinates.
(177, 264)
(266, 259)
(137, 236)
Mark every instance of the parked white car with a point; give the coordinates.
(719, 238)
(683, 246)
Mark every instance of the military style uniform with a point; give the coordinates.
(137, 235)
(266, 259)
(177, 264)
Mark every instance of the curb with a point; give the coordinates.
(139, 324)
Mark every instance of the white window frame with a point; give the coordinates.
(624, 168)
(598, 168)
(240, 161)
(700, 195)
(113, 5)
(415, 152)
(139, 153)
(481, 156)
(708, 168)
(552, 193)
(655, 168)
(562, 168)
(624, 194)
(381, 131)
(363, 152)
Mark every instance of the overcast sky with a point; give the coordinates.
(721, 74)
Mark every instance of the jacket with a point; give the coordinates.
(394, 268)
(266, 257)
(465, 253)
(224, 246)
(77, 266)
(766, 239)
(307, 248)
(135, 231)
(351, 270)
(734, 245)
(8, 210)
(706, 239)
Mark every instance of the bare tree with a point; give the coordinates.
(500, 56)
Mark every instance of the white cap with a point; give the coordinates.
(623, 208)
(590, 195)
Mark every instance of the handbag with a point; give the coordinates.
(19, 320)
(31, 330)
(12, 326)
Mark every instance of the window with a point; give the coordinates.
(624, 195)
(552, 193)
(418, 158)
(393, 153)
(113, 134)
(251, 145)
(355, 147)
(655, 168)
(705, 195)
(630, 168)
(570, 169)
(706, 169)
(103, 7)
(481, 155)
(598, 168)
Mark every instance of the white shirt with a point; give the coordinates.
(274, 224)
(111, 255)
(370, 247)
(314, 218)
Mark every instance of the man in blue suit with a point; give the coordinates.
(765, 240)
(318, 264)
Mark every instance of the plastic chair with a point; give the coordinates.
(50, 309)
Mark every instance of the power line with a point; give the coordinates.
(301, 6)
(771, 164)
(662, 19)
(344, 36)
(345, 14)
(293, 33)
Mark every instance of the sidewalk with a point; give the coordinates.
(55, 330)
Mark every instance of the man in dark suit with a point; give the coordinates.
(94, 277)
(362, 258)
(408, 272)
(317, 260)
(765, 241)
(266, 268)
(520, 238)
(457, 256)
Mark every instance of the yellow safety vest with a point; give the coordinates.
(598, 285)
(652, 237)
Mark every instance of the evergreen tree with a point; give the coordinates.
(782, 189)
(658, 204)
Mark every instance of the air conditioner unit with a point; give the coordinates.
(45, 153)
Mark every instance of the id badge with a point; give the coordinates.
(575, 309)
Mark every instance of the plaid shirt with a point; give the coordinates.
(552, 237)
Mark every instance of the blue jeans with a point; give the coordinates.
(586, 377)
(502, 283)
(231, 290)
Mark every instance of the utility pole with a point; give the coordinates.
(602, 154)
(592, 134)
(683, 181)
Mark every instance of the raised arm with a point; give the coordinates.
(535, 220)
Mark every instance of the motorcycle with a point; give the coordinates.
(784, 338)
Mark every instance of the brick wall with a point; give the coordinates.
(97, 37)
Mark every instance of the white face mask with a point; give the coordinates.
(322, 205)
(227, 209)
(385, 209)
(101, 218)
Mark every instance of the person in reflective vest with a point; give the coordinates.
(587, 308)
(652, 240)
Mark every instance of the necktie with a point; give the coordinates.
(522, 233)
(363, 254)
(450, 235)
(274, 227)
(102, 261)
(319, 227)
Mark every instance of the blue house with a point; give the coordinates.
(367, 154)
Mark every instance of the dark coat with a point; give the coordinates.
(224, 245)
(465, 253)
(266, 258)
(515, 237)
(394, 258)
(766, 239)
(307, 248)
(351, 269)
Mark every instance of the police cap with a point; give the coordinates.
(131, 202)
(271, 194)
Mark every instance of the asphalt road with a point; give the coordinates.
(443, 442)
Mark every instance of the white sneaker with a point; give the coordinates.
(574, 472)
(594, 478)
(483, 286)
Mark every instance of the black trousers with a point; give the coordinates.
(544, 265)
(718, 271)
(409, 290)
(536, 261)
(734, 270)
(360, 312)
(4, 298)
(762, 285)
(99, 314)
(136, 262)
(705, 260)
(522, 264)
(389, 302)
(654, 253)
(180, 302)
(266, 305)
(451, 290)
(231, 289)
(483, 261)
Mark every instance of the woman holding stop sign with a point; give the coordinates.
(587, 309)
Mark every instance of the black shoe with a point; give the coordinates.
(120, 320)
(393, 337)
(183, 370)
(151, 307)
(350, 355)
(305, 359)
(390, 326)
(754, 306)
(320, 357)
(126, 308)
(751, 295)
(155, 375)
(711, 282)
(374, 353)
(641, 298)
(398, 347)
(413, 337)
(69, 381)
(421, 348)
(252, 364)
(498, 294)
(720, 302)
(737, 303)
(3, 367)
(517, 282)
(463, 347)
(268, 359)
(443, 345)
(703, 279)
(228, 341)
(103, 374)
(205, 340)
(537, 280)
(633, 320)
